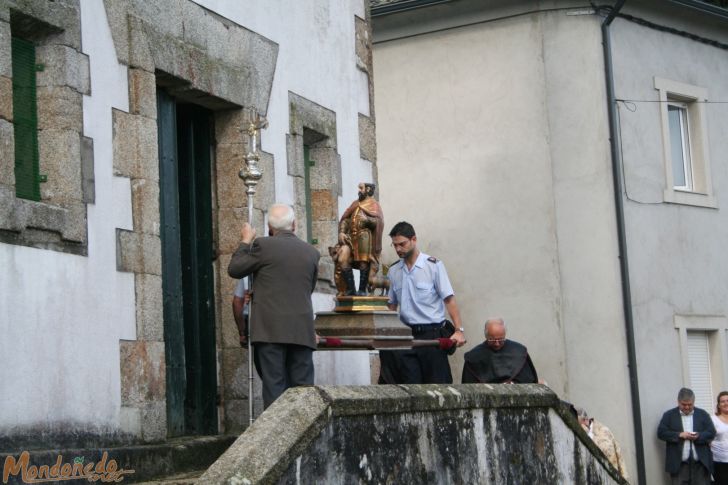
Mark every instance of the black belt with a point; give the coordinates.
(426, 331)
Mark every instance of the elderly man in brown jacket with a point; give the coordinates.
(284, 270)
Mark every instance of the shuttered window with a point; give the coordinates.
(307, 164)
(25, 120)
(699, 367)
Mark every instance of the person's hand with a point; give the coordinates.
(459, 338)
(318, 338)
(688, 435)
(243, 341)
(343, 238)
(246, 297)
(247, 233)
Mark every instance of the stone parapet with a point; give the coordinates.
(467, 433)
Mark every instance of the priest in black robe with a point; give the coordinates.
(498, 360)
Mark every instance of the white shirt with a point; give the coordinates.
(687, 423)
(419, 291)
(719, 446)
(240, 290)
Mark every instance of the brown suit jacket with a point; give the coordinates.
(284, 270)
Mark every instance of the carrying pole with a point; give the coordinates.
(251, 175)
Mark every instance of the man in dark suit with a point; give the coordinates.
(687, 432)
(284, 270)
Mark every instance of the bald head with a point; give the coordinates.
(281, 218)
(495, 333)
(494, 322)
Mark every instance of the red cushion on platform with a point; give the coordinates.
(332, 342)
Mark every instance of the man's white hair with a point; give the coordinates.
(281, 217)
(493, 321)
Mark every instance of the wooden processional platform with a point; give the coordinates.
(362, 322)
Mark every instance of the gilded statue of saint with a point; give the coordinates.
(360, 242)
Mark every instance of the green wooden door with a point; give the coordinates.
(174, 337)
(194, 126)
(187, 271)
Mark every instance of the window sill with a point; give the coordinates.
(690, 198)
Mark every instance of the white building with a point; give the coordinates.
(120, 202)
(493, 133)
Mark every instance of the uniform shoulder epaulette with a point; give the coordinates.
(432, 259)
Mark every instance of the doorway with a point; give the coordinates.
(188, 253)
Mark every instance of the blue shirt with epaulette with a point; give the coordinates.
(419, 291)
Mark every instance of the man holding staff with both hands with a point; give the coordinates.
(284, 270)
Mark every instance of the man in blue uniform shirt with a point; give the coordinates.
(420, 288)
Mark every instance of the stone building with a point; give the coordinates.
(121, 137)
(494, 127)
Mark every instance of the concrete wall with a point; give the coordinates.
(591, 309)
(62, 316)
(461, 107)
(493, 142)
(414, 434)
(676, 252)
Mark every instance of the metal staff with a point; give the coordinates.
(251, 175)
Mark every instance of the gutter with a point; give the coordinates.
(703, 7)
(622, 242)
(402, 6)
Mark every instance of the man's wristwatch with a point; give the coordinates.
(461, 329)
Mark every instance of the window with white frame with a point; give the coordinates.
(685, 144)
(701, 381)
(682, 168)
(704, 359)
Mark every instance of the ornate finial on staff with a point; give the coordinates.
(251, 173)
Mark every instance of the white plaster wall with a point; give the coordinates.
(464, 156)
(677, 254)
(61, 316)
(493, 142)
(316, 60)
(591, 307)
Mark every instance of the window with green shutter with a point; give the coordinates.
(25, 120)
(307, 164)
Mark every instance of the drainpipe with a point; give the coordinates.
(623, 263)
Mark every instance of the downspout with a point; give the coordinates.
(623, 262)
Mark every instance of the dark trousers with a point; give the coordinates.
(692, 473)
(282, 366)
(720, 473)
(421, 365)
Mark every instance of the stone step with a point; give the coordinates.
(175, 461)
(189, 478)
